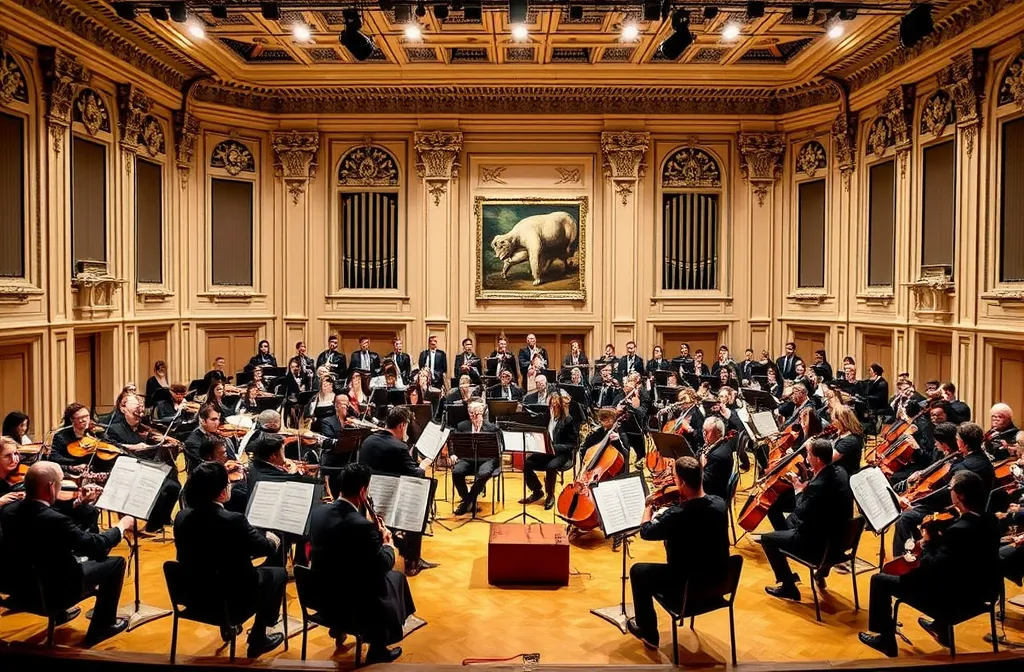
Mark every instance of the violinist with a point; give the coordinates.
(824, 506)
(688, 418)
(175, 407)
(77, 424)
(959, 411)
(630, 362)
(697, 515)
(208, 430)
(262, 357)
(79, 508)
(506, 389)
(1002, 432)
(541, 392)
(467, 363)
(215, 449)
(608, 392)
(157, 381)
(216, 397)
(636, 402)
(248, 403)
(10, 460)
(657, 362)
(716, 461)
(848, 448)
(971, 457)
(564, 439)
(958, 569)
(216, 373)
(16, 427)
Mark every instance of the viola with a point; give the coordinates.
(88, 446)
(898, 455)
(575, 503)
(931, 478)
(935, 524)
(18, 474)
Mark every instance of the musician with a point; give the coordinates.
(824, 506)
(467, 363)
(353, 560)
(876, 391)
(606, 416)
(249, 401)
(575, 356)
(215, 449)
(657, 362)
(172, 408)
(506, 389)
(37, 535)
(608, 391)
(540, 394)
(959, 411)
(745, 369)
(330, 357)
(630, 362)
(939, 412)
(958, 569)
(306, 363)
(77, 422)
(332, 425)
(923, 432)
(971, 457)
(262, 356)
(1011, 553)
(822, 366)
(295, 381)
(15, 426)
(216, 548)
(435, 361)
(356, 398)
(698, 515)
(386, 452)
(726, 377)
(787, 362)
(724, 361)
(216, 397)
(322, 405)
(699, 367)
(157, 381)
(792, 410)
(401, 359)
(848, 447)
(462, 394)
(636, 401)
(389, 378)
(503, 358)
(775, 386)
(528, 357)
(483, 469)
(716, 462)
(564, 439)
(208, 430)
(1002, 432)
(689, 419)
(9, 461)
(944, 444)
(215, 374)
(684, 362)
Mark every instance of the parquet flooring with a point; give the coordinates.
(467, 618)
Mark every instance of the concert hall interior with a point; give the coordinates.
(665, 271)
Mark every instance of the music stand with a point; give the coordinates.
(691, 379)
(274, 371)
(684, 364)
(162, 394)
(484, 445)
(421, 413)
(760, 399)
(501, 409)
(197, 386)
(548, 450)
(364, 379)
(345, 449)
(668, 393)
(457, 414)
(661, 376)
(671, 446)
(714, 382)
(268, 403)
(243, 378)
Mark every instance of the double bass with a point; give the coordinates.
(575, 503)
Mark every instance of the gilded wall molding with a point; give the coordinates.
(844, 139)
(186, 131)
(1011, 89)
(965, 82)
(624, 162)
(897, 109)
(368, 165)
(811, 158)
(233, 156)
(295, 159)
(761, 161)
(937, 113)
(691, 167)
(94, 288)
(63, 75)
(12, 79)
(437, 160)
(133, 105)
(932, 293)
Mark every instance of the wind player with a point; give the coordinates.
(484, 469)
(527, 357)
(504, 360)
(630, 362)
(698, 515)
(607, 393)
(467, 363)
(331, 358)
(575, 356)
(435, 361)
(363, 359)
(401, 359)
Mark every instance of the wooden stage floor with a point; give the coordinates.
(467, 618)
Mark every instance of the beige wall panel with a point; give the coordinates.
(1008, 372)
(934, 359)
(236, 346)
(84, 370)
(876, 347)
(16, 380)
(152, 348)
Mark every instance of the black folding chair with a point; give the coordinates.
(961, 616)
(734, 482)
(701, 596)
(843, 550)
(310, 603)
(42, 604)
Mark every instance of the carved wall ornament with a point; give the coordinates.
(133, 105)
(568, 175)
(880, 137)
(63, 75)
(91, 112)
(186, 130)
(437, 160)
(625, 163)
(295, 159)
(937, 113)
(691, 167)
(898, 109)
(844, 139)
(94, 288)
(152, 136)
(234, 157)
(368, 166)
(1012, 88)
(965, 81)
(811, 158)
(12, 79)
(492, 174)
(932, 293)
(761, 161)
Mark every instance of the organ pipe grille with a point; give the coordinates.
(369, 240)
(690, 241)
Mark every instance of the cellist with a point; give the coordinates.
(606, 416)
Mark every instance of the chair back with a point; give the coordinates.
(734, 482)
(850, 539)
(305, 587)
(177, 584)
(702, 592)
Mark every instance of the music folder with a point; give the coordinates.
(875, 498)
(282, 506)
(620, 503)
(526, 439)
(763, 424)
(402, 501)
(671, 446)
(432, 440)
(133, 486)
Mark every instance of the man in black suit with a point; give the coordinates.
(387, 453)
(539, 395)
(353, 561)
(215, 449)
(959, 569)
(526, 355)
(401, 360)
(306, 363)
(215, 375)
(483, 469)
(824, 506)
(746, 367)
(630, 362)
(467, 363)
(960, 412)
(698, 515)
(502, 359)
(435, 360)
(787, 362)
(970, 440)
(608, 392)
(363, 359)
(876, 391)
(216, 548)
(331, 358)
(717, 463)
(209, 423)
(575, 356)
(506, 389)
(37, 536)
(169, 408)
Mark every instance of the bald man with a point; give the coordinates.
(1002, 432)
(38, 536)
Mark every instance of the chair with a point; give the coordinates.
(701, 597)
(42, 605)
(843, 550)
(308, 592)
(179, 589)
(955, 619)
(734, 482)
(498, 490)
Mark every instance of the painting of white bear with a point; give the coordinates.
(531, 248)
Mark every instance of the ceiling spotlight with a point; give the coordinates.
(219, 11)
(576, 12)
(836, 30)
(755, 10)
(517, 10)
(848, 13)
(441, 12)
(413, 32)
(159, 13)
(125, 10)
(710, 12)
(302, 32)
(421, 11)
(457, 5)
(473, 12)
(731, 31)
(676, 43)
(358, 44)
(196, 31)
(652, 10)
(519, 32)
(179, 14)
(271, 11)
(403, 14)
(386, 5)
(630, 32)
(916, 25)
(801, 12)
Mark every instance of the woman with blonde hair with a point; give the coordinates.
(848, 447)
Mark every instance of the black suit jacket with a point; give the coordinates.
(533, 398)
(718, 469)
(510, 362)
(385, 454)
(876, 393)
(525, 357)
(474, 368)
(440, 364)
(565, 436)
(498, 392)
(787, 369)
(963, 562)
(262, 360)
(334, 359)
(330, 426)
(624, 368)
(290, 387)
(583, 361)
(822, 510)
(355, 362)
(959, 412)
(36, 535)
(404, 364)
(610, 397)
(657, 365)
(705, 518)
(486, 428)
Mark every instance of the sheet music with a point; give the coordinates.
(514, 441)
(411, 505)
(874, 497)
(533, 442)
(132, 487)
(764, 423)
(432, 439)
(280, 505)
(620, 503)
(383, 489)
(744, 415)
(119, 483)
(263, 504)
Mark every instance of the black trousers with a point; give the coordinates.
(107, 576)
(773, 544)
(742, 445)
(781, 508)
(908, 526)
(550, 464)
(482, 469)
(648, 579)
(1011, 561)
(269, 594)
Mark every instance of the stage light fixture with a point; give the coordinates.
(219, 11)
(413, 32)
(179, 13)
(358, 44)
(652, 10)
(159, 13)
(403, 14)
(196, 31)
(386, 5)
(731, 31)
(630, 32)
(916, 25)
(441, 12)
(755, 10)
(125, 10)
(710, 12)
(271, 11)
(517, 10)
(301, 32)
(473, 11)
(801, 12)
(676, 43)
(576, 12)
(520, 32)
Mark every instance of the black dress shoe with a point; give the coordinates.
(119, 626)
(68, 616)
(939, 633)
(649, 643)
(880, 643)
(338, 637)
(225, 633)
(549, 503)
(267, 644)
(463, 508)
(786, 591)
(383, 655)
(532, 497)
(426, 564)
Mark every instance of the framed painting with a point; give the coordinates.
(531, 248)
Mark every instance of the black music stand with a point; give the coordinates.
(274, 371)
(268, 403)
(671, 446)
(421, 413)
(344, 452)
(483, 445)
(501, 409)
(684, 364)
(761, 400)
(661, 376)
(713, 382)
(457, 414)
(548, 450)
(197, 386)
(691, 379)
(243, 378)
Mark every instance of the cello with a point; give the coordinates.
(896, 455)
(930, 479)
(575, 503)
(668, 492)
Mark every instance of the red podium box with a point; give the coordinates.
(528, 554)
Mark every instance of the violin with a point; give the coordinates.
(228, 430)
(236, 471)
(299, 467)
(298, 435)
(17, 476)
(88, 446)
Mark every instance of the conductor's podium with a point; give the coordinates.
(528, 554)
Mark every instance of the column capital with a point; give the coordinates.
(625, 154)
(437, 160)
(844, 138)
(186, 132)
(133, 105)
(295, 159)
(63, 75)
(761, 161)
